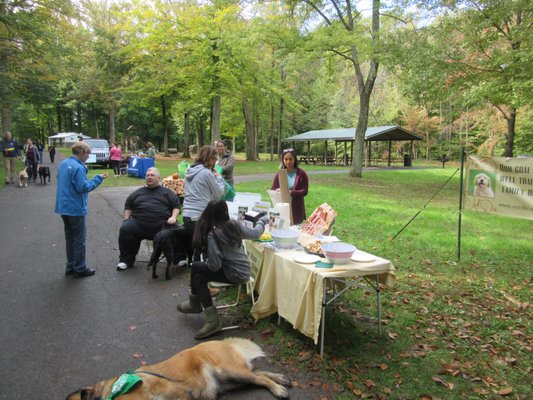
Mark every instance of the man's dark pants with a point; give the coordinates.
(131, 234)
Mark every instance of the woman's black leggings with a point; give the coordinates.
(201, 275)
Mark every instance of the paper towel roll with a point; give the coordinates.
(284, 211)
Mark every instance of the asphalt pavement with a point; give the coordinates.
(57, 333)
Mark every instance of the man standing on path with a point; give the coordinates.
(72, 194)
(10, 150)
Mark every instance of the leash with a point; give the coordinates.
(429, 201)
(153, 374)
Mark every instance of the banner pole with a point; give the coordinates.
(460, 205)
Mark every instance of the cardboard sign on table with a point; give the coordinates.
(284, 189)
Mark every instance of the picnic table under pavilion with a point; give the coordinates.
(346, 136)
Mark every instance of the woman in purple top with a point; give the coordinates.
(298, 184)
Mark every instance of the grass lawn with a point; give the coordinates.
(452, 330)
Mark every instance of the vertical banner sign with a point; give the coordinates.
(499, 185)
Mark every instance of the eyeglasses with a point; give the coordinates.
(288, 151)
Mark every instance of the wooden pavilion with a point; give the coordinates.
(346, 136)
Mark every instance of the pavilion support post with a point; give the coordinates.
(345, 163)
(308, 151)
(388, 158)
(336, 152)
(325, 152)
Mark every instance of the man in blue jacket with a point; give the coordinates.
(73, 189)
(10, 150)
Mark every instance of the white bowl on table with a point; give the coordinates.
(285, 238)
(338, 252)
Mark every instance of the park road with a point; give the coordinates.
(57, 333)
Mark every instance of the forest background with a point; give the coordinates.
(176, 73)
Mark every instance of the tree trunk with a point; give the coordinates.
(256, 130)
(165, 125)
(509, 140)
(283, 76)
(78, 117)
(215, 118)
(200, 135)
(280, 128)
(272, 128)
(186, 134)
(112, 112)
(5, 119)
(250, 130)
(365, 91)
(59, 121)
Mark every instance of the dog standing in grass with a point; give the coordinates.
(201, 373)
(23, 177)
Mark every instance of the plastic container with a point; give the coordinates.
(338, 252)
(285, 238)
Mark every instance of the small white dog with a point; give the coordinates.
(482, 186)
(23, 178)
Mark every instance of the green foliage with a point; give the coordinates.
(111, 64)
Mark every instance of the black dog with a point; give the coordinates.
(44, 172)
(175, 244)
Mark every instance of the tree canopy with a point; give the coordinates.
(188, 72)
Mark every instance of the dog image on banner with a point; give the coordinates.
(483, 186)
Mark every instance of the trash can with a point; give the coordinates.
(406, 160)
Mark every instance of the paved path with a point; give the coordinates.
(57, 333)
(266, 177)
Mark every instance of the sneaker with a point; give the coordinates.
(121, 266)
(183, 263)
(83, 274)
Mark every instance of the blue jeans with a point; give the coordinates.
(75, 235)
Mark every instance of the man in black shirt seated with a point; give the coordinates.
(145, 212)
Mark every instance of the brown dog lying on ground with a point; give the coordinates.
(200, 373)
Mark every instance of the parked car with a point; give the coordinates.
(100, 148)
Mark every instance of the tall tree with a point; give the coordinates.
(346, 37)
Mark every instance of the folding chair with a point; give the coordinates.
(221, 285)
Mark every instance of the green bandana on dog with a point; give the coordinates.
(124, 384)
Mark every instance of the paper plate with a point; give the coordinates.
(307, 259)
(362, 257)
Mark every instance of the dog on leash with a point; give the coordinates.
(174, 243)
(201, 373)
(44, 172)
(23, 177)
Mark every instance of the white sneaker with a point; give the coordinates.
(122, 265)
(183, 263)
